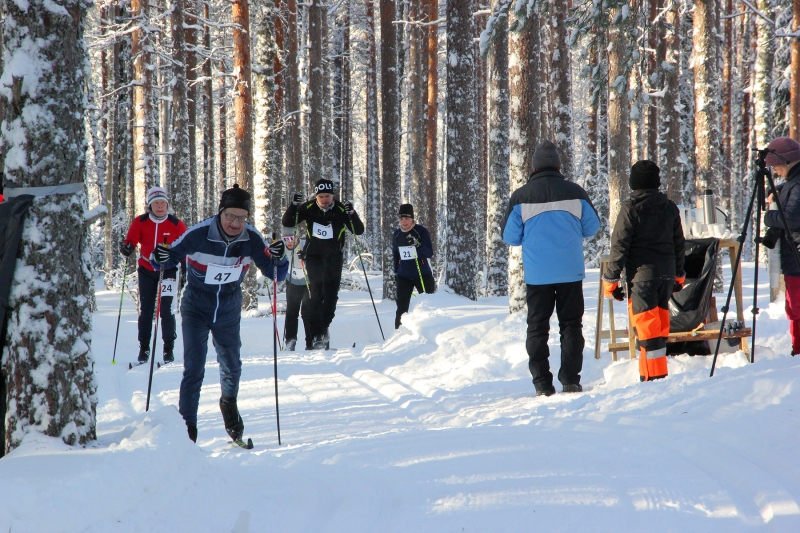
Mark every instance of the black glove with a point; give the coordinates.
(348, 208)
(126, 249)
(277, 249)
(771, 237)
(618, 294)
(297, 199)
(161, 253)
(412, 240)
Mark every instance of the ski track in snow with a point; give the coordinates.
(437, 429)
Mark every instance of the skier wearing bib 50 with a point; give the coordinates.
(219, 251)
(328, 221)
(147, 231)
(412, 250)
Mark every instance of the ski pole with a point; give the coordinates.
(420, 275)
(119, 315)
(274, 308)
(155, 332)
(275, 342)
(358, 249)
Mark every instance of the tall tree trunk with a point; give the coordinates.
(145, 126)
(223, 131)
(47, 364)
(292, 85)
(109, 86)
(764, 119)
(561, 87)
(481, 153)
(726, 119)
(670, 119)
(209, 185)
(342, 169)
(266, 179)
(191, 23)
(373, 170)
(418, 99)
(243, 116)
(707, 96)
(390, 171)
(462, 144)
(523, 133)
(619, 113)
(278, 134)
(316, 87)
(497, 74)
(179, 178)
(655, 38)
(432, 125)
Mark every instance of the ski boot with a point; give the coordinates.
(319, 342)
(291, 344)
(326, 338)
(144, 353)
(234, 424)
(168, 353)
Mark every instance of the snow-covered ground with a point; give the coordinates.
(436, 429)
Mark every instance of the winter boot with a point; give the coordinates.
(144, 353)
(291, 344)
(234, 424)
(168, 355)
(326, 337)
(545, 390)
(192, 432)
(572, 387)
(319, 342)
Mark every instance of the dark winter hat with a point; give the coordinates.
(645, 175)
(787, 151)
(235, 197)
(546, 156)
(323, 186)
(407, 210)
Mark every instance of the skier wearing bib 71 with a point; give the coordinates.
(328, 221)
(219, 251)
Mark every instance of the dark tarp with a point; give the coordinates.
(689, 307)
(12, 214)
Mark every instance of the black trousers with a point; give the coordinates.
(405, 287)
(324, 276)
(148, 291)
(567, 298)
(296, 303)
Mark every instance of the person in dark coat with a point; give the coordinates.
(328, 221)
(412, 249)
(549, 217)
(219, 250)
(783, 157)
(648, 242)
(296, 290)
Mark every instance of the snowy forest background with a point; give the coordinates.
(436, 103)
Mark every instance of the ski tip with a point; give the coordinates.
(113, 362)
(249, 444)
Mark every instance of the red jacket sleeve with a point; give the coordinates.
(134, 235)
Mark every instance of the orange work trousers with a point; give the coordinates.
(649, 306)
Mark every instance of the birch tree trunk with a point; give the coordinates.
(498, 193)
(47, 364)
(390, 171)
(292, 86)
(670, 119)
(764, 119)
(342, 153)
(462, 144)
(209, 185)
(316, 87)
(418, 99)
(619, 112)
(561, 87)
(179, 177)
(373, 171)
(145, 173)
(190, 39)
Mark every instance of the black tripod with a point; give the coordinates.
(762, 176)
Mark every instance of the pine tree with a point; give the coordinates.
(179, 174)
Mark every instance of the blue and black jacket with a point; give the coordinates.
(549, 217)
(407, 268)
(204, 244)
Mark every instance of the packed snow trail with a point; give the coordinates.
(437, 429)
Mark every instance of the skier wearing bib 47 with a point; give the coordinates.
(219, 251)
(147, 230)
(412, 249)
(328, 221)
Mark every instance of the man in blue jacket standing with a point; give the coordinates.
(219, 251)
(549, 217)
(412, 250)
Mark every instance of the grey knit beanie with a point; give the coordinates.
(546, 156)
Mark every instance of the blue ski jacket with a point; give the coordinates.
(417, 236)
(549, 217)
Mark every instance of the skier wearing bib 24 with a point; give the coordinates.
(219, 251)
(328, 221)
(296, 290)
(412, 249)
(147, 231)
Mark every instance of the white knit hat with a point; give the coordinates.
(156, 193)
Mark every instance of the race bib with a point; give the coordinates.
(169, 287)
(322, 232)
(297, 273)
(221, 274)
(407, 252)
